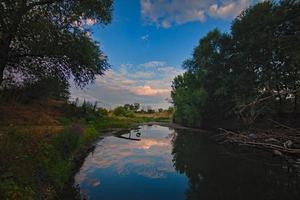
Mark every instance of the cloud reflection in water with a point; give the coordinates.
(150, 157)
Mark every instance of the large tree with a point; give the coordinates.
(250, 73)
(266, 42)
(51, 37)
(204, 92)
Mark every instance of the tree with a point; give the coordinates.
(245, 74)
(204, 91)
(266, 43)
(188, 99)
(42, 37)
(287, 34)
(136, 106)
(213, 71)
(122, 111)
(127, 106)
(132, 107)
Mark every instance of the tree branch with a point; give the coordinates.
(41, 3)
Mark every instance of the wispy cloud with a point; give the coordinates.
(165, 13)
(147, 83)
(145, 37)
(153, 64)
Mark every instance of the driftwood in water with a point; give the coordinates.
(279, 141)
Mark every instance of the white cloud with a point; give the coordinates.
(165, 13)
(147, 90)
(153, 64)
(228, 10)
(148, 83)
(145, 37)
(141, 75)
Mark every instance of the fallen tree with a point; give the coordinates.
(281, 140)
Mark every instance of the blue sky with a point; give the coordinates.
(146, 44)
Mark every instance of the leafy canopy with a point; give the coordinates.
(252, 72)
(52, 37)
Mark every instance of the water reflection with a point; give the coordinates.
(216, 173)
(140, 161)
(160, 163)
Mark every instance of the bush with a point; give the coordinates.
(85, 111)
(102, 112)
(15, 156)
(46, 88)
(90, 134)
(121, 111)
(66, 142)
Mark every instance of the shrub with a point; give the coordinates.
(45, 88)
(121, 111)
(102, 112)
(90, 134)
(66, 142)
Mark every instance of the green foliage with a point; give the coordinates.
(40, 38)
(102, 112)
(133, 107)
(250, 73)
(66, 143)
(90, 134)
(170, 109)
(187, 113)
(36, 168)
(10, 190)
(44, 89)
(48, 159)
(122, 111)
(86, 111)
(116, 122)
(14, 158)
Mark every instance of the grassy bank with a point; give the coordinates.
(40, 141)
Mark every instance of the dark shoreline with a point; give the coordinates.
(175, 126)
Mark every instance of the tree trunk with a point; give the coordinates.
(295, 103)
(1, 72)
(8, 36)
(3, 60)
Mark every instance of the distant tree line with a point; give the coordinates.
(249, 73)
(128, 110)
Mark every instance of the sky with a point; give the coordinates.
(146, 44)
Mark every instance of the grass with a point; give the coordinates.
(39, 141)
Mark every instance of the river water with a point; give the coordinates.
(160, 163)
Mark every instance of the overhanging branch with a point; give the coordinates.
(42, 2)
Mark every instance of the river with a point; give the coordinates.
(160, 163)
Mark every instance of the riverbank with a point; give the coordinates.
(50, 140)
(174, 126)
(280, 140)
